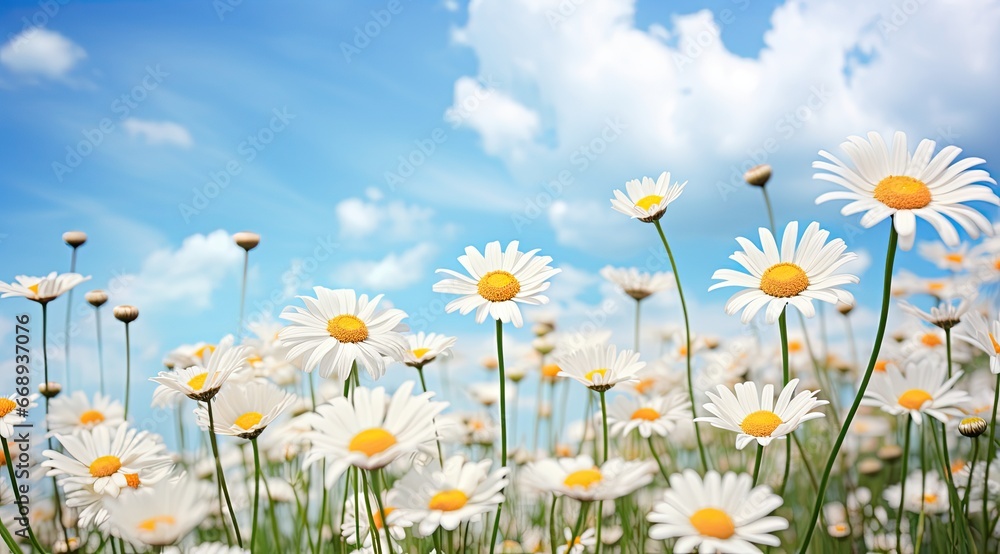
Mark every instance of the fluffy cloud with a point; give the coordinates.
(186, 277)
(393, 221)
(41, 52)
(393, 272)
(158, 132)
(503, 123)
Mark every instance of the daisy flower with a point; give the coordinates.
(794, 275)
(658, 415)
(943, 257)
(579, 478)
(945, 315)
(41, 289)
(163, 515)
(108, 460)
(426, 347)
(202, 383)
(984, 335)
(354, 528)
(716, 514)
(924, 388)
(600, 368)
(928, 496)
(10, 414)
(338, 328)
(245, 410)
(187, 355)
(446, 497)
(638, 284)
(373, 431)
(577, 545)
(92, 513)
(497, 282)
(76, 412)
(757, 417)
(647, 200)
(884, 183)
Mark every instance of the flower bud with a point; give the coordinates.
(74, 238)
(126, 313)
(246, 240)
(972, 426)
(96, 298)
(758, 175)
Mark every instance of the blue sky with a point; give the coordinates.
(369, 143)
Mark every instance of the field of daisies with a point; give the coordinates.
(285, 440)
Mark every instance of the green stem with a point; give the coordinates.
(687, 336)
(785, 377)
(100, 346)
(372, 529)
(879, 335)
(947, 341)
(423, 385)
(992, 453)
(902, 480)
(218, 470)
(256, 494)
(128, 371)
(503, 427)
(638, 304)
(604, 422)
(272, 515)
(18, 497)
(972, 467)
(756, 464)
(552, 523)
(8, 539)
(69, 312)
(656, 457)
(243, 293)
(770, 211)
(957, 520)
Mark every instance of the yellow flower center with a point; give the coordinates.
(419, 353)
(954, 257)
(105, 466)
(713, 522)
(935, 286)
(648, 414)
(880, 365)
(254, 360)
(996, 345)
(957, 465)
(91, 417)
(902, 193)
(760, 423)
(913, 399)
(499, 286)
(551, 370)
(248, 420)
(647, 202)
(931, 340)
(371, 441)
(378, 516)
(591, 374)
(930, 498)
(6, 406)
(644, 385)
(448, 501)
(583, 478)
(794, 346)
(34, 289)
(784, 280)
(152, 523)
(198, 381)
(132, 479)
(347, 328)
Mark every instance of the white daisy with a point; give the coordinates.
(928, 494)
(905, 186)
(757, 417)
(162, 515)
(338, 328)
(657, 415)
(924, 388)
(577, 545)
(497, 282)
(10, 414)
(795, 275)
(245, 410)
(202, 383)
(108, 460)
(75, 412)
(601, 367)
(953, 259)
(579, 478)
(92, 513)
(945, 315)
(353, 528)
(984, 335)
(717, 514)
(638, 284)
(647, 200)
(373, 431)
(41, 289)
(426, 347)
(460, 491)
(187, 355)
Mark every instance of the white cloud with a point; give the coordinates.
(41, 52)
(394, 222)
(185, 278)
(503, 123)
(393, 272)
(158, 132)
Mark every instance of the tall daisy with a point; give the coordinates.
(246, 410)
(924, 388)
(497, 282)
(757, 417)
(637, 284)
(12, 413)
(338, 328)
(424, 348)
(203, 383)
(647, 200)
(717, 514)
(581, 479)
(649, 416)
(600, 368)
(795, 274)
(985, 335)
(895, 183)
(76, 412)
(446, 497)
(162, 515)
(372, 431)
(41, 289)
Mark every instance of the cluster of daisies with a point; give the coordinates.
(796, 435)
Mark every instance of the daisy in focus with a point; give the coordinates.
(720, 514)
(444, 498)
(647, 200)
(41, 289)
(795, 274)
(757, 417)
(9, 414)
(600, 368)
(497, 281)
(202, 383)
(245, 410)
(579, 478)
(424, 348)
(895, 183)
(373, 431)
(923, 388)
(657, 415)
(637, 284)
(338, 328)
(984, 335)
(76, 412)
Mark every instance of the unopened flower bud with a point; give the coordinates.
(890, 453)
(972, 426)
(246, 240)
(74, 238)
(758, 175)
(50, 389)
(96, 298)
(126, 313)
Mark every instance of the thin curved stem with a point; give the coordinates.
(18, 497)
(687, 336)
(552, 523)
(656, 457)
(992, 453)
(243, 293)
(128, 371)
(756, 464)
(902, 480)
(100, 346)
(219, 472)
(69, 313)
(503, 427)
(423, 385)
(256, 495)
(638, 304)
(785, 377)
(770, 210)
